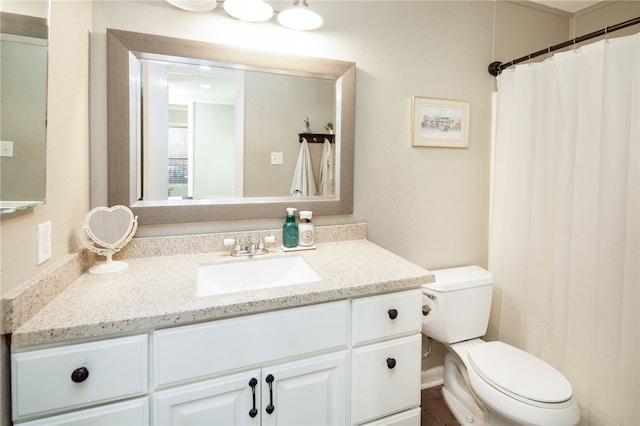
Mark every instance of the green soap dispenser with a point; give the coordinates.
(290, 229)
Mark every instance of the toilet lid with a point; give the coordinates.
(519, 373)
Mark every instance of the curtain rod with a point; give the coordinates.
(495, 68)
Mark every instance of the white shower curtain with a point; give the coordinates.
(564, 238)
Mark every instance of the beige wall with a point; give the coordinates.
(67, 161)
(429, 205)
(67, 194)
(607, 14)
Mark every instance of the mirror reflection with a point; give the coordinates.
(214, 132)
(23, 110)
(259, 142)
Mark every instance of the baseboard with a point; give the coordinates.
(432, 377)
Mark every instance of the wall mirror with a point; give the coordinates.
(23, 84)
(262, 101)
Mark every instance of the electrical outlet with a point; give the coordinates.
(43, 242)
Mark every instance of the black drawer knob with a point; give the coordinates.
(393, 313)
(391, 362)
(79, 375)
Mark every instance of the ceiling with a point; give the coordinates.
(571, 6)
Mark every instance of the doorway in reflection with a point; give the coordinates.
(193, 149)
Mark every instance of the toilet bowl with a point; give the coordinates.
(489, 382)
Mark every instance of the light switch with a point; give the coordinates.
(277, 158)
(6, 149)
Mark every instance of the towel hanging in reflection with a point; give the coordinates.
(304, 183)
(326, 169)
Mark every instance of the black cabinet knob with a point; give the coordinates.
(393, 313)
(79, 375)
(391, 362)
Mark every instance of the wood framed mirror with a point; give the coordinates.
(125, 49)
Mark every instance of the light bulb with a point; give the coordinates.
(300, 17)
(248, 10)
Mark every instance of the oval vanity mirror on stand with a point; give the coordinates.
(105, 231)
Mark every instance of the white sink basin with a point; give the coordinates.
(254, 274)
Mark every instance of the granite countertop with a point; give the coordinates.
(159, 292)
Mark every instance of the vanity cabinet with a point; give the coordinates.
(385, 360)
(272, 393)
(311, 391)
(337, 363)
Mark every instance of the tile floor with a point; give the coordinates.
(434, 410)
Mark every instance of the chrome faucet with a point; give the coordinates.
(248, 247)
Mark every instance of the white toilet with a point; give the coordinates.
(489, 382)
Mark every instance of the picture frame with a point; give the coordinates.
(440, 123)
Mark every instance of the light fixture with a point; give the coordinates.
(300, 17)
(249, 10)
(194, 5)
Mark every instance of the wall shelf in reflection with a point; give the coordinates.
(316, 137)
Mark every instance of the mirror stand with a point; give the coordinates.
(106, 231)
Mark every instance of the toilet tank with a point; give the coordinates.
(457, 305)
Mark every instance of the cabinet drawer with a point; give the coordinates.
(189, 352)
(127, 413)
(386, 315)
(42, 379)
(406, 418)
(385, 378)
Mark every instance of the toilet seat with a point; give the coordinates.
(519, 374)
(496, 392)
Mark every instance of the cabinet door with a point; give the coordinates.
(385, 378)
(307, 392)
(229, 400)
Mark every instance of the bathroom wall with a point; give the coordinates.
(67, 196)
(427, 204)
(67, 187)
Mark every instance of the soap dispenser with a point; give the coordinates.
(290, 230)
(305, 229)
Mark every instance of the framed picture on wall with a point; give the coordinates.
(439, 123)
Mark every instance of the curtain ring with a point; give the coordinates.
(606, 35)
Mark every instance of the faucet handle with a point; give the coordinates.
(230, 242)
